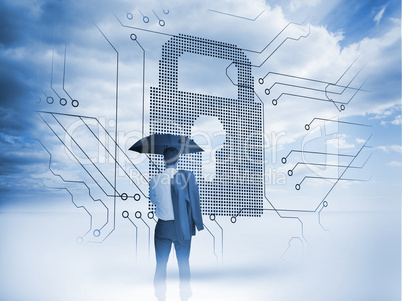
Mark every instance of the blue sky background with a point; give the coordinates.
(363, 216)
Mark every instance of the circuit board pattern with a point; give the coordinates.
(240, 185)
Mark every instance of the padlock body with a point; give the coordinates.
(237, 189)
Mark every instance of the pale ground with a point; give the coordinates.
(39, 260)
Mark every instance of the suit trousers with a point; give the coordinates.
(165, 236)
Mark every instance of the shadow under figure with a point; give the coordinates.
(176, 197)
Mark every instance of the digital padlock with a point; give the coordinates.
(237, 189)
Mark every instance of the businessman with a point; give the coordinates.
(176, 197)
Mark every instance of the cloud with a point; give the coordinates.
(391, 148)
(91, 64)
(341, 143)
(296, 4)
(380, 14)
(7, 139)
(19, 156)
(387, 112)
(389, 115)
(395, 163)
(397, 120)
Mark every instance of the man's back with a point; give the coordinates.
(176, 196)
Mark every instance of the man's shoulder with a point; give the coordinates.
(153, 179)
(186, 173)
(185, 177)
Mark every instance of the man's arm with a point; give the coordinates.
(152, 195)
(195, 201)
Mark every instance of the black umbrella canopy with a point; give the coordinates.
(157, 143)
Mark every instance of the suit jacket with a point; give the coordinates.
(186, 204)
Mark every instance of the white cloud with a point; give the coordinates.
(397, 120)
(296, 4)
(340, 142)
(395, 163)
(380, 14)
(386, 113)
(389, 148)
(383, 111)
(386, 116)
(10, 139)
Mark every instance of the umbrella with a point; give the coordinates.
(157, 143)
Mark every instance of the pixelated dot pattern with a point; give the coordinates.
(237, 189)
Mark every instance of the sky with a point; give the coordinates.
(94, 56)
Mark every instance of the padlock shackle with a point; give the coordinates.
(177, 45)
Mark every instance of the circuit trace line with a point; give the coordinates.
(236, 16)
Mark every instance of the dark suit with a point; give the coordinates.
(187, 216)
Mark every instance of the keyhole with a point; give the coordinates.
(208, 133)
